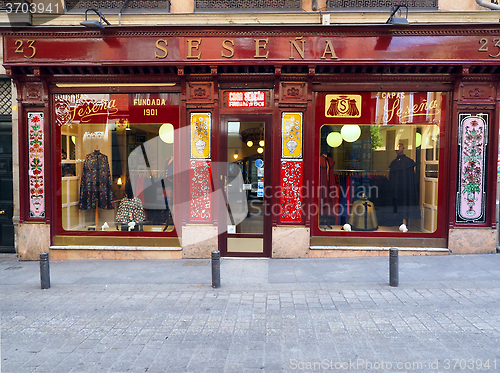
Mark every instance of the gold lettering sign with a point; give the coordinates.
(406, 111)
(162, 48)
(329, 50)
(259, 46)
(228, 48)
(293, 44)
(297, 49)
(343, 106)
(149, 101)
(193, 44)
(86, 110)
(200, 135)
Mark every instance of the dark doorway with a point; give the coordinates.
(6, 186)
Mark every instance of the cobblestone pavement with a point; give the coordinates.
(270, 315)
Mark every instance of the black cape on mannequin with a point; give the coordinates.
(403, 189)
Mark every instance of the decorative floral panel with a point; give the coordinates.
(471, 194)
(291, 135)
(291, 186)
(201, 190)
(200, 135)
(36, 165)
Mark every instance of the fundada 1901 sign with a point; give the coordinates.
(226, 44)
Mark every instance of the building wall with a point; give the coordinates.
(450, 11)
(186, 6)
(182, 12)
(453, 5)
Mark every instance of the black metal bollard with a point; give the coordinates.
(216, 269)
(44, 271)
(393, 267)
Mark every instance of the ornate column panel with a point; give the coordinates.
(475, 117)
(473, 148)
(471, 193)
(200, 167)
(36, 164)
(200, 234)
(291, 168)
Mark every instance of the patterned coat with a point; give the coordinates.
(95, 186)
(130, 209)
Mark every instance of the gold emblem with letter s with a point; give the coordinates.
(343, 106)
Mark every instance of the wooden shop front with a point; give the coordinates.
(310, 141)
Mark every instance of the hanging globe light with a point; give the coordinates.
(249, 143)
(167, 133)
(418, 140)
(334, 139)
(350, 132)
(260, 150)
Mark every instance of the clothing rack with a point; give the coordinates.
(360, 170)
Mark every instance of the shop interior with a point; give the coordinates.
(377, 178)
(117, 176)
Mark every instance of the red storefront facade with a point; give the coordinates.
(257, 141)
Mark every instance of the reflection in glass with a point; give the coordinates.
(378, 181)
(118, 163)
(245, 188)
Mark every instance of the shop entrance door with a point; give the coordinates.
(245, 172)
(6, 186)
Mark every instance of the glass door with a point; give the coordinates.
(246, 231)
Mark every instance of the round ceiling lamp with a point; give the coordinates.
(350, 132)
(167, 133)
(418, 140)
(334, 139)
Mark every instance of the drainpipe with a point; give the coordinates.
(488, 5)
(121, 9)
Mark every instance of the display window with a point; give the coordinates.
(379, 157)
(117, 161)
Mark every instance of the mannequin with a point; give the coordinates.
(327, 186)
(168, 187)
(130, 208)
(96, 190)
(363, 217)
(403, 188)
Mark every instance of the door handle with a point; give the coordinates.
(2, 212)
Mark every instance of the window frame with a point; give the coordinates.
(113, 237)
(444, 154)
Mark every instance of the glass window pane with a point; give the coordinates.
(118, 158)
(372, 173)
(245, 192)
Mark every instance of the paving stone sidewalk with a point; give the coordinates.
(270, 315)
